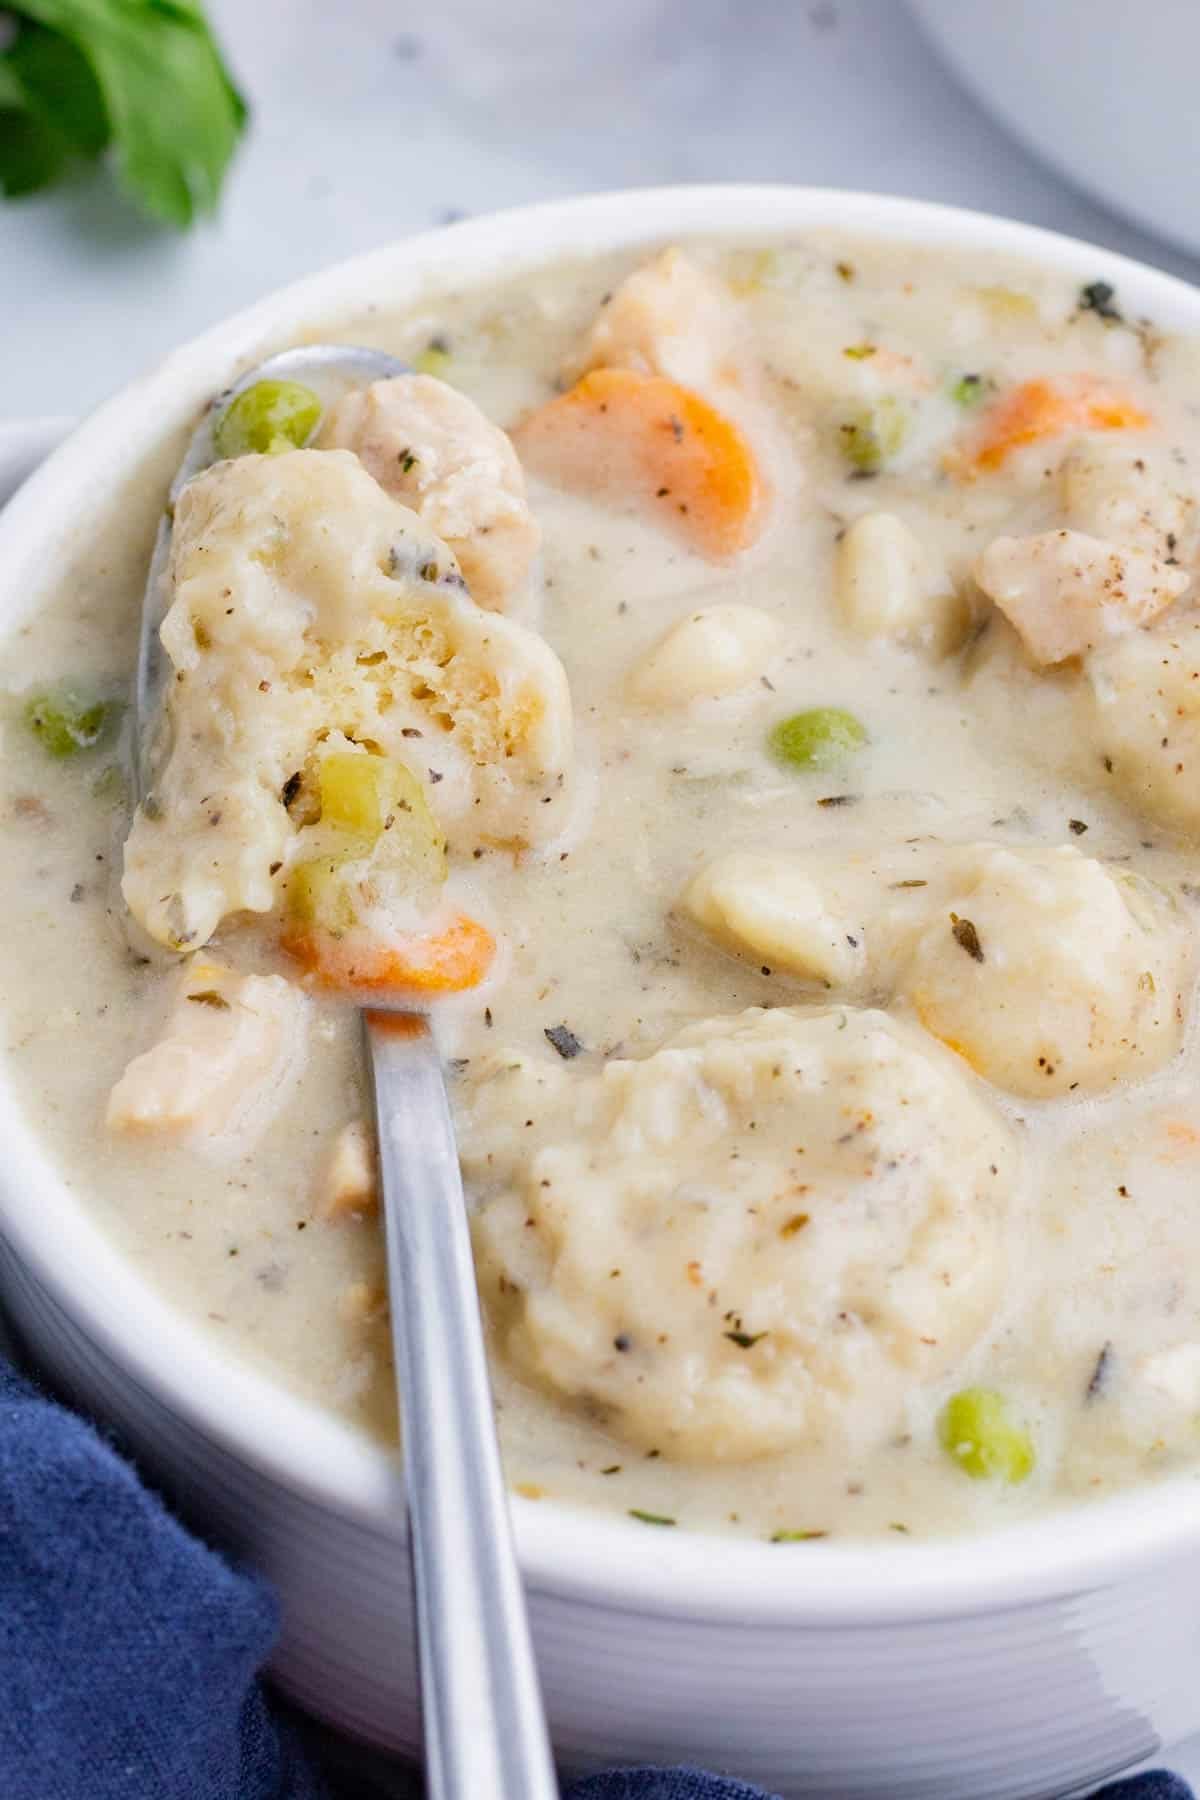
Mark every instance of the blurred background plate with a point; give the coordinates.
(1105, 91)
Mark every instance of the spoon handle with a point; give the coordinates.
(485, 1730)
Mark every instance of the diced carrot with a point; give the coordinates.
(1046, 408)
(438, 963)
(620, 431)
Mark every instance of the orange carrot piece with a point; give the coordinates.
(442, 963)
(1046, 408)
(620, 431)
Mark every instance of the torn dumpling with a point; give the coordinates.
(309, 610)
(433, 448)
(1066, 593)
(769, 1233)
(231, 1050)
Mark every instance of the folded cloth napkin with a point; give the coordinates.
(130, 1651)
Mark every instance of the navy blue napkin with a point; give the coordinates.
(130, 1651)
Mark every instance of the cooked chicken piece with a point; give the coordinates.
(1067, 593)
(710, 653)
(772, 1232)
(349, 1180)
(309, 607)
(1137, 495)
(667, 318)
(433, 448)
(229, 1054)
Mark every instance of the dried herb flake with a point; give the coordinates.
(564, 1041)
(965, 935)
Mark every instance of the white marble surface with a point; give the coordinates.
(373, 120)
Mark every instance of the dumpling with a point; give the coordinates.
(767, 1234)
(1052, 973)
(307, 605)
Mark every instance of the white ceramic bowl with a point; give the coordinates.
(1022, 1663)
(1104, 90)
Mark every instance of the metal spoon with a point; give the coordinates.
(485, 1731)
(484, 1724)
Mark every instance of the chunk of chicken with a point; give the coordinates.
(1137, 494)
(228, 1057)
(1048, 971)
(1067, 593)
(888, 586)
(722, 1306)
(710, 653)
(349, 1180)
(667, 318)
(433, 448)
(307, 603)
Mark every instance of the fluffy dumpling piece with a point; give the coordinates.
(433, 448)
(765, 1235)
(228, 1057)
(308, 606)
(1052, 973)
(1067, 593)
(1143, 706)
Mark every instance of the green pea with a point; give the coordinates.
(976, 1430)
(266, 418)
(875, 434)
(434, 359)
(969, 390)
(820, 738)
(65, 722)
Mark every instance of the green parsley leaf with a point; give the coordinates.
(141, 78)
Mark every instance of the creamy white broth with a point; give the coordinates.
(977, 747)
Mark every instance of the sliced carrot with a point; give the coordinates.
(445, 962)
(1046, 408)
(618, 431)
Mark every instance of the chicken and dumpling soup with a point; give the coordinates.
(751, 696)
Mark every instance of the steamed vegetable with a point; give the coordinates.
(621, 434)
(65, 722)
(1047, 408)
(874, 435)
(977, 1431)
(267, 417)
(820, 738)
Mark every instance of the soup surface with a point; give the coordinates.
(777, 762)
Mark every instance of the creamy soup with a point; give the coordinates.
(751, 695)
